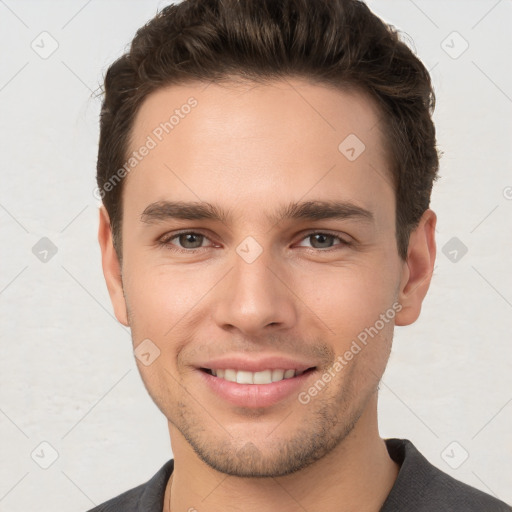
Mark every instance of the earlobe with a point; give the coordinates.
(111, 267)
(418, 269)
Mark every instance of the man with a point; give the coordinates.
(266, 170)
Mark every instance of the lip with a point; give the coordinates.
(248, 365)
(255, 395)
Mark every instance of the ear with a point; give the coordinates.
(417, 269)
(111, 267)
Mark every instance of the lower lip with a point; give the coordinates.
(255, 395)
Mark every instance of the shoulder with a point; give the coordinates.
(456, 496)
(145, 497)
(422, 487)
(127, 501)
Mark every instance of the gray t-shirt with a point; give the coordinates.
(420, 487)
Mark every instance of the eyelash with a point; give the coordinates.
(165, 241)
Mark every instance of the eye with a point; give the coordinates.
(189, 241)
(322, 240)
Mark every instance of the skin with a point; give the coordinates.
(250, 149)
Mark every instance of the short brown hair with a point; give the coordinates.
(340, 43)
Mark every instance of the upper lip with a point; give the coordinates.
(256, 365)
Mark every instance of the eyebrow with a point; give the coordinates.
(308, 210)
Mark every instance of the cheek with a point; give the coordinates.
(344, 298)
(160, 296)
(348, 299)
(173, 289)
(166, 301)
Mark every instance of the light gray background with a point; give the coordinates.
(67, 372)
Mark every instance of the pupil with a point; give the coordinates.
(189, 238)
(321, 238)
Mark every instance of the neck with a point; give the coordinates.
(358, 474)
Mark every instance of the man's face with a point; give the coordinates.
(252, 286)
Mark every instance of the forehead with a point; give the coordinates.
(244, 143)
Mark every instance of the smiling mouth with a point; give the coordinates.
(262, 377)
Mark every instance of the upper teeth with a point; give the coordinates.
(263, 377)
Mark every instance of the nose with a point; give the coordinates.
(255, 297)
